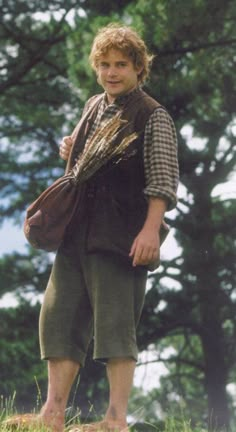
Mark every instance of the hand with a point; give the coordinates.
(146, 247)
(65, 147)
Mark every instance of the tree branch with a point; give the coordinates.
(195, 48)
(174, 359)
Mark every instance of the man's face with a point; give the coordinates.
(116, 74)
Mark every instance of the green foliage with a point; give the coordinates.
(18, 275)
(35, 98)
(19, 354)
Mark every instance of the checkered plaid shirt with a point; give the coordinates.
(160, 149)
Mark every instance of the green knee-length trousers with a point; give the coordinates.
(90, 295)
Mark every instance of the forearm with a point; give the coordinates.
(146, 246)
(155, 214)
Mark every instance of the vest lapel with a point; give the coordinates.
(80, 132)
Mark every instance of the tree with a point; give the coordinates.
(204, 305)
(21, 371)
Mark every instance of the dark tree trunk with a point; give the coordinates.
(214, 350)
(216, 380)
(211, 308)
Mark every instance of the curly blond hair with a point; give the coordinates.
(126, 40)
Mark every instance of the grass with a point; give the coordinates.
(169, 427)
(171, 424)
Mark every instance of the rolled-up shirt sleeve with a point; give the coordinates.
(161, 158)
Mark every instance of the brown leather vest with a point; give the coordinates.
(114, 200)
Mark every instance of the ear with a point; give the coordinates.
(139, 70)
(97, 75)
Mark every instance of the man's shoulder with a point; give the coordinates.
(143, 104)
(148, 99)
(139, 108)
(143, 101)
(95, 97)
(92, 101)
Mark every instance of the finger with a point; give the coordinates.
(148, 255)
(137, 255)
(133, 247)
(67, 141)
(63, 157)
(143, 257)
(65, 147)
(63, 153)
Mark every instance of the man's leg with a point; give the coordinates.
(117, 292)
(65, 329)
(120, 372)
(61, 375)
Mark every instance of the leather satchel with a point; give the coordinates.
(48, 217)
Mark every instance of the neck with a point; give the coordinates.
(111, 99)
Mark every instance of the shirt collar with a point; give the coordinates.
(123, 99)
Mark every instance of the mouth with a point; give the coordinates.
(113, 82)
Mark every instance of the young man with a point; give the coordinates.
(97, 284)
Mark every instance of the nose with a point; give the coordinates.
(112, 71)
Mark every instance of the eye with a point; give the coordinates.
(103, 65)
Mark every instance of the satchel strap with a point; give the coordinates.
(79, 133)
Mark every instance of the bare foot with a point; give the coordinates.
(53, 420)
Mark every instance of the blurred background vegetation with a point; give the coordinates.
(189, 320)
